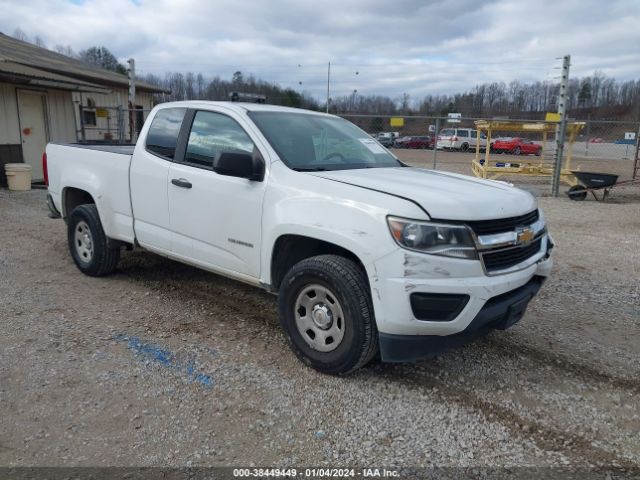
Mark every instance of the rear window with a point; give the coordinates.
(162, 137)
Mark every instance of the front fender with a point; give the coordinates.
(351, 217)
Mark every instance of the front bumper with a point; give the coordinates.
(493, 301)
(498, 313)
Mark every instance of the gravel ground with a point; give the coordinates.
(164, 364)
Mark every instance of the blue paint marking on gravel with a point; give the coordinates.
(166, 358)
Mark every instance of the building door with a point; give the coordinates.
(33, 129)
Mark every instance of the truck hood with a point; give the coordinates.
(445, 196)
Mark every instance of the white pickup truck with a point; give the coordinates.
(366, 254)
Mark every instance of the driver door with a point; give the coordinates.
(216, 220)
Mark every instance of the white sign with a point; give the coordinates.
(454, 117)
(372, 145)
(629, 135)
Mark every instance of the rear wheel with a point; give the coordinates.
(577, 193)
(88, 244)
(326, 313)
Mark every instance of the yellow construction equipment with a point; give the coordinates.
(488, 168)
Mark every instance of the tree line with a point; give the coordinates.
(597, 95)
(195, 86)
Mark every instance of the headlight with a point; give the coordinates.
(433, 238)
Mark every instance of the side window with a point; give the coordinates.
(463, 133)
(212, 133)
(162, 137)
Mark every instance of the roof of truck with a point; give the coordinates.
(239, 107)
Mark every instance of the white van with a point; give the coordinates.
(461, 139)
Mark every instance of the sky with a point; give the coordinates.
(375, 47)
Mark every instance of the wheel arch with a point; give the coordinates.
(72, 197)
(289, 249)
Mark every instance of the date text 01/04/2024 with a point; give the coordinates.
(314, 472)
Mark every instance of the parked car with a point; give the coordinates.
(516, 146)
(462, 139)
(306, 205)
(401, 142)
(386, 139)
(423, 142)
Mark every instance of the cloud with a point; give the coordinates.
(375, 46)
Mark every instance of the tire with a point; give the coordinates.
(516, 151)
(464, 147)
(311, 285)
(88, 245)
(577, 193)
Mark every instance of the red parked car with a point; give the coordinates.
(516, 146)
(415, 142)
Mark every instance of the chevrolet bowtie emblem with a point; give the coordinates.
(524, 235)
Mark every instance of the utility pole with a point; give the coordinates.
(562, 126)
(132, 96)
(435, 144)
(328, 82)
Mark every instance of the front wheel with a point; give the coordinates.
(326, 313)
(88, 244)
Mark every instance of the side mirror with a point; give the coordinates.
(242, 165)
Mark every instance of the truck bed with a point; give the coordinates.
(101, 170)
(122, 149)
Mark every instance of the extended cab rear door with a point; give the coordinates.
(148, 179)
(216, 220)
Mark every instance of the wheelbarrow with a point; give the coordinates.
(590, 182)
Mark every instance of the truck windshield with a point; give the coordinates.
(307, 142)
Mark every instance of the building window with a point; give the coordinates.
(89, 113)
(89, 117)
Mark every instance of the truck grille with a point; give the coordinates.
(489, 227)
(508, 257)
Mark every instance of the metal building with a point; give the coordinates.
(43, 95)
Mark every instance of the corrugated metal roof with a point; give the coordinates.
(35, 76)
(24, 53)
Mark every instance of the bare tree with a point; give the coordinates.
(39, 41)
(65, 50)
(18, 34)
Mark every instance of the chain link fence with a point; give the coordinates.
(110, 124)
(600, 145)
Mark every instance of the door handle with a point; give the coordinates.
(181, 182)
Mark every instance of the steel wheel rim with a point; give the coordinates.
(83, 242)
(319, 318)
